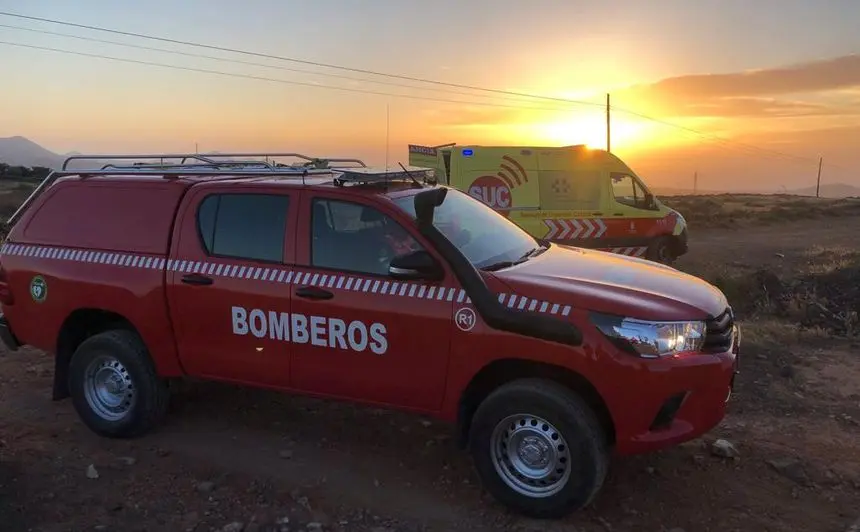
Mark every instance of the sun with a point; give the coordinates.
(591, 131)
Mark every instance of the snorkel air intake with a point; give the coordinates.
(486, 303)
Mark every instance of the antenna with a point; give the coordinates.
(387, 133)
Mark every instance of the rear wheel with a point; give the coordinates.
(114, 385)
(538, 448)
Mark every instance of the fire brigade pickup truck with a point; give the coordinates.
(334, 279)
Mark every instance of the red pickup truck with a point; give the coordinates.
(360, 284)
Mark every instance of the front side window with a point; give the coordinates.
(353, 237)
(486, 238)
(244, 226)
(629, 191)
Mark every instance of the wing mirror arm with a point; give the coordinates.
(416, 265)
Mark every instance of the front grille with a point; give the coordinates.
(719, 332)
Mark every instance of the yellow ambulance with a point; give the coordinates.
(572, 195)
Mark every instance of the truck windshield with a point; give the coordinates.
(487, 239)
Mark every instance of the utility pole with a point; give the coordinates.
(608, 134)
(818, 186)
(695, 182)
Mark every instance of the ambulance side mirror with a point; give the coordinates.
(415, 265)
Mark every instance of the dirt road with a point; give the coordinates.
(239, 459)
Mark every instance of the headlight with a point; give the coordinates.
(651, 339)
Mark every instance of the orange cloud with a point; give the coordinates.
(806, 89)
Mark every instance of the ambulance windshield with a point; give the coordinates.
(489, 240)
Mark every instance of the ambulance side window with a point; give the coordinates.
(353, 237)
(244, 226)
(627, 191)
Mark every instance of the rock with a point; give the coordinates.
(286, 454)
(650, 470)
(92, 472)
(791, 469)
(779, 255)
(205, 487)
(282, 520)
(235, 526)
(426, 423)
(786, 372)
(724, 449)
(127, 460)
(314, 526)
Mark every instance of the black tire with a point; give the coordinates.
(578, 426)
(151, 393)
(662, 250)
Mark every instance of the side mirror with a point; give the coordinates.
(415, 265)
(649, 201)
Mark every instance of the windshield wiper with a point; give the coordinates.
(534, 252)
(508, 263)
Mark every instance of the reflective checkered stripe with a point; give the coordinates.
(629, 251)
(129, 260)
(514, 301)
(296, 276)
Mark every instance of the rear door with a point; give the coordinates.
(369, 337)
(228, 282)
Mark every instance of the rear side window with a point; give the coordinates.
(244, 226)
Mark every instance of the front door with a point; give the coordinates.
(368, 336)
(228, 283)
(632, 222)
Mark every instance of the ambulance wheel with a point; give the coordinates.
(661, 250)
(114, 386)
(538, 448)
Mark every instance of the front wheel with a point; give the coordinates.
(662, 250)
(114, 386)
(538, 448)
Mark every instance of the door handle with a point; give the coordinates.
(197, 279)
(313, 292)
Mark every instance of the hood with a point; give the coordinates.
(614, 284)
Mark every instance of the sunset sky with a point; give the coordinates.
(780, 79)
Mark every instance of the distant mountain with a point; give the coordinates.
(19, 151)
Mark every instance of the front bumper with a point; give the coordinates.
(7, 336)
(679, 399)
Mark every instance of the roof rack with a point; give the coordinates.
(193, 164)
(416, 174)
(212, 159)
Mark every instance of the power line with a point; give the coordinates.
(701, 134)
(275, 80)
(252, 63)
(296, 60)
(718, 138)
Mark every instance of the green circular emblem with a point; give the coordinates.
(38, 289)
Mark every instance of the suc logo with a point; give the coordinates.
(497, 190)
